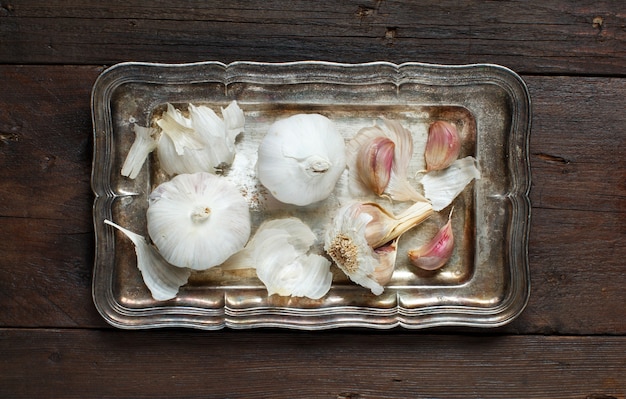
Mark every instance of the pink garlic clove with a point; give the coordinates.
(374, 162)
(437, 251)
(443, 146)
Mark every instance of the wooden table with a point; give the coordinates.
(570, 342)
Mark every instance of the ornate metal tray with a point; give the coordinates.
(485, 284)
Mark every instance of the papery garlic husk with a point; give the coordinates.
(442, 147)
(146, 140)
(301, 158)
(198, 220)
(436, 253)
(162, 279)
(279, 253)
(443, 186)
(368, 175)
(362, 237)
(201, 143)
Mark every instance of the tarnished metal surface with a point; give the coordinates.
(486, 282)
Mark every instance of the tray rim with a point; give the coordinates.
(212, 319)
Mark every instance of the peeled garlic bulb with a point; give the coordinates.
(301, 158)
(198, 220)
(443, 145)
(162, 279)
(437, 251)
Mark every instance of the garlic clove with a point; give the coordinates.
(442, 147)
(385, 227)
(387, 262)
(198, 220)
(146, 140)
(162, 279)
(434, 254)
(301, 158)
(443, 186)
(234, 122)
(373, 160)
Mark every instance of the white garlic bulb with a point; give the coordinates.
(301, 158)
(198, 220)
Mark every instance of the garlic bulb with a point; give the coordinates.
(442, 187)
(198, 220)
(378, 160)
(301, 158)
(434, 254)
(162, 279)
(201, 143)
(362, 240)
(443, 145)
(146, 140)
(279, 253)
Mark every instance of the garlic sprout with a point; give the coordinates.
(162, 279)
(378, 160)
(145, 142)
(301, 158)
(279, 253)
(362, 240)
(198, 220)
(443, 186)
(434, 254)
(201, 143)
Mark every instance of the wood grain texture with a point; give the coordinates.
(269, 364)
(577, 37)
(577, 232)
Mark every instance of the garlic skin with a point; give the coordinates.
(443, 186)
(436, 253)
(301, 158)
(442, 147)
(146, 140)
(279, 253)
(162, 279)
(367, 176)
(198, 220)
(201, 143)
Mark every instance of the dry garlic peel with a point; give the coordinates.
(198, 220)
(279, 253)
(204, 142)
(442, 147)
(436, 253)
(443, 186)
(162, 279)
(145, 142)
(301, 158)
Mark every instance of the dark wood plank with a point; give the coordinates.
(579, 37)
(577, 233)
(264, 364)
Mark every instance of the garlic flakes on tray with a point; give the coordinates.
(279, 253)
(146, 140)
(198, 220)
(162, 279)
(301, 158)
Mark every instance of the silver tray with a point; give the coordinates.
(485, 284)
